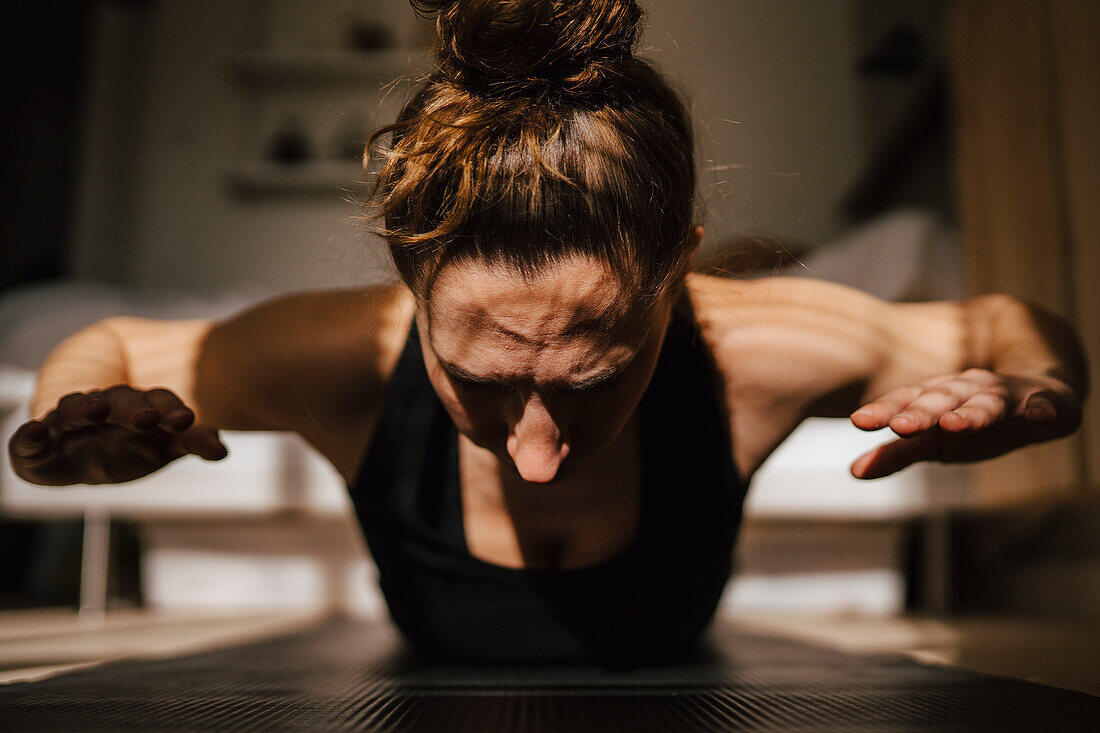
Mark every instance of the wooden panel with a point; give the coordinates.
(1075, 30)
(1009, 178)
(1011, 195)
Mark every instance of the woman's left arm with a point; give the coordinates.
(955, 380)
(1022, 380)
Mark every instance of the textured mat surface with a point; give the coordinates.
(347, 675)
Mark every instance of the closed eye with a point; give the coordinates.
(602, 383)
(471, 386)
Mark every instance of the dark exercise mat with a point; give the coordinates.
(351, 675)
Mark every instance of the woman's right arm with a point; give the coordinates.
(94, 421)
(125, 396)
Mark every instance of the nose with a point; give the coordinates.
(537, 442)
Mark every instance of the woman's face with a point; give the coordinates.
(543, 372)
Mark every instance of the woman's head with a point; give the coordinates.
(540, 153)
(539, 135)
(543, 371)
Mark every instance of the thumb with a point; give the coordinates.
(203, 441)
(893, 456)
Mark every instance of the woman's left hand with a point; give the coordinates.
(968, 416)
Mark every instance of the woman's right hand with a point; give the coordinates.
(110, 436)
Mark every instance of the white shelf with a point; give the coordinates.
(307, 177)
(807, 477)
(283, 68)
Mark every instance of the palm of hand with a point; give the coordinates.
(969, 416)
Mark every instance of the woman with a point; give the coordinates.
(549, 427)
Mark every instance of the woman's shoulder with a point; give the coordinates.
(778, 316)
(788, 340)
(737, 298)
(781, 345)
(347, 334)
(316, 363)
(363, 329)
(734, 314)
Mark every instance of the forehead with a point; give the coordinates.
(573, 315)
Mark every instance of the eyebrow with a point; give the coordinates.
(588, 383)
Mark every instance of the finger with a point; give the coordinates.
(79, 410)
(877, 414)
(203, 441)
(978, 413)
(924, 412)
(176, 417)
(894, 456)
(130, 409)
(1039, 409)
(31, 440)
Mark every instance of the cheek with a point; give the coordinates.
(479, 418)
(599, 418)
(603, 415)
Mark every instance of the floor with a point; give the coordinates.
(348, 675)
(1060, 652)
(42, 643)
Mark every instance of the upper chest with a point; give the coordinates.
(582, 520)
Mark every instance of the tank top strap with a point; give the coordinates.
(686, 444)
(409, 452)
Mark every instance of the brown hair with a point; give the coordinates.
(538, 135)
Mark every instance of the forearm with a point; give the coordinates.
(124, 350)
(1010, 336)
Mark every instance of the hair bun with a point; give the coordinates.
(533, 44)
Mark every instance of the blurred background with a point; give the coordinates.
(175, 159)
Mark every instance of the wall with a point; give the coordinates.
(1028, 152)
(1027, 100)
(776, 108)
(43, 95)
(771, 85)
(158, 206)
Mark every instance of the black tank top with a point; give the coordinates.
(649, 603)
